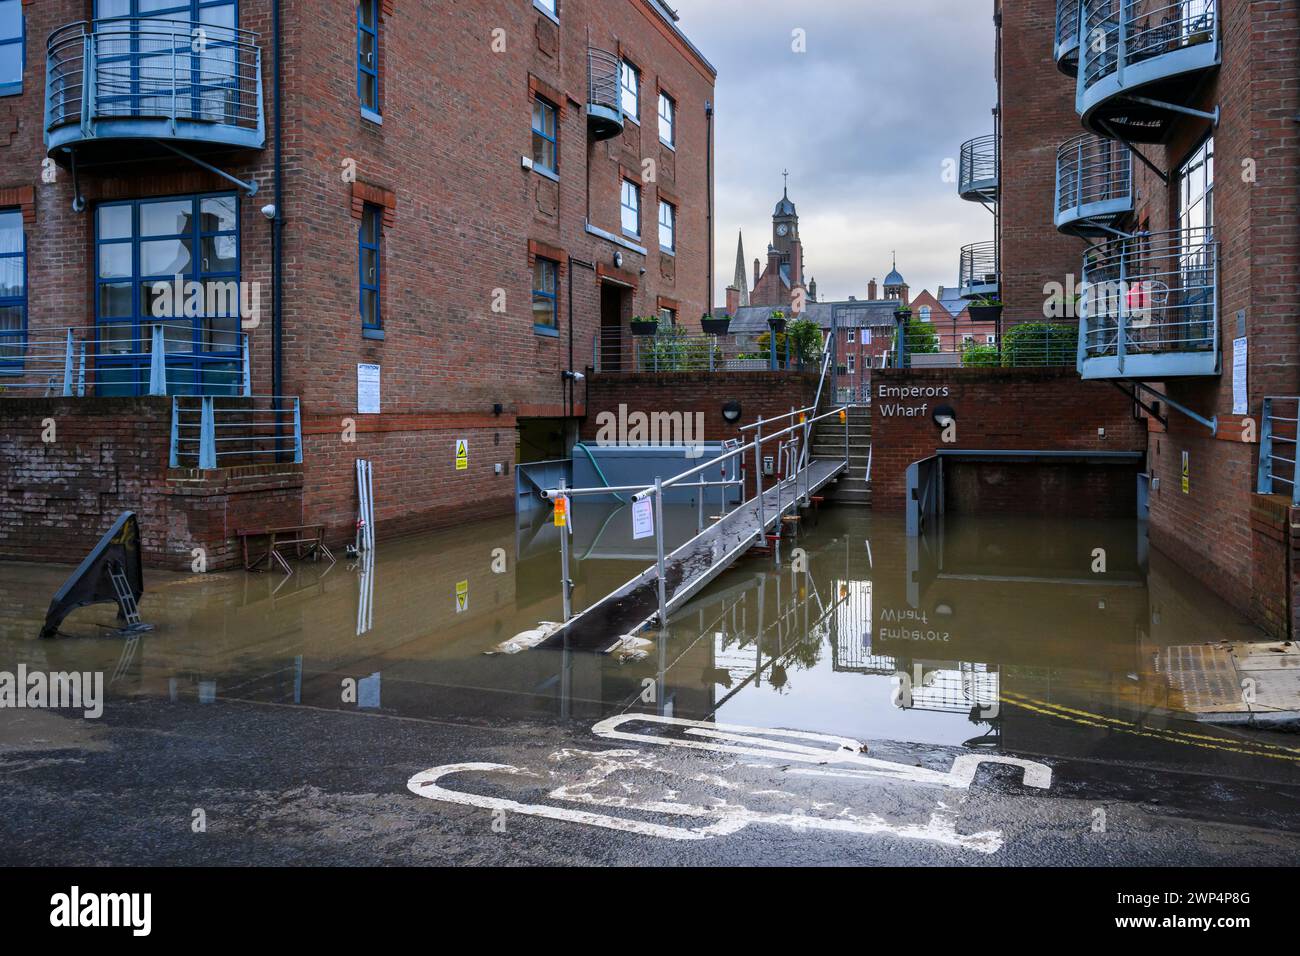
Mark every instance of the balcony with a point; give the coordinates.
(1094, 185)
(1066, 48)
(1143, 63)
(977, 180)
(116, 89)
(604, 100)
(1149, 307)
(979, 270)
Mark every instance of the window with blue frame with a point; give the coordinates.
(172, 263)
(631, 209)
(11, 47)
(629, 81)
(369, 240)
(545, 135)
(667, 226)
(13, 287)
(546, 298)
(667, 120)
(159, 66)
(368, 56)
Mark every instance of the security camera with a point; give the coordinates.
(269, 210)
(575, 376)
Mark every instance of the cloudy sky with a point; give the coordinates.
(864, 120)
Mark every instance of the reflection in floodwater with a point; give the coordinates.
(1032, 636)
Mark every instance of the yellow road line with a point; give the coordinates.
(1205, 741)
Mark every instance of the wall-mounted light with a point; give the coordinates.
(731, 412)
(944, 415)
(498, 408)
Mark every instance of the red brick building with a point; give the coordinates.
(1162, 155)
(781, 282)
(472, 198)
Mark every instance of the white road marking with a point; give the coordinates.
(758, 742)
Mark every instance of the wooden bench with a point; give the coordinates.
(307, 541)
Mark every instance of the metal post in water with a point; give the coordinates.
(659, 553)
(564, 559)
(758, 478)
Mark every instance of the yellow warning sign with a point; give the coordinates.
(561, 512)
(1187, 474)
(462, 454)
(462, 597)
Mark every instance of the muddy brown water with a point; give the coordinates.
(988, 632)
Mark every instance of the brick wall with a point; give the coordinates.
(996, 409)
(1036, 115)
(110, 455)
(464, 222)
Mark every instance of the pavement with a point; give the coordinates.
(240, 783)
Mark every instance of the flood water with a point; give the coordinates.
(989, 632)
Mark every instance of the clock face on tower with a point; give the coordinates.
(782, 229)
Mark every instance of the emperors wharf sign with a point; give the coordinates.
(909, 401)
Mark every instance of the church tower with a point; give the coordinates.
(896, 285)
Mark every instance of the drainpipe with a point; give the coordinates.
(277, 224)
(708, 161)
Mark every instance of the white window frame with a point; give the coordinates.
(670, 226)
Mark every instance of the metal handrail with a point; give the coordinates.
(266, 426)
(1119, 33)
(1067, 27)
(979, 165)
(1279, 447)
(1151, 293)
(603, 70)
(127, 67)
(1091, 169)
(979, 265)
(79, 360)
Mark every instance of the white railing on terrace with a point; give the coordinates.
(153, 68)
(228, 432)
(1151, 294)
(1279, 448)
(674, 351)
(1120, 33)
(1094, 179)
(178, 358)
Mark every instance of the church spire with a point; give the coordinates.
(741, 282)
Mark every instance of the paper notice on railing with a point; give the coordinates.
(643, 519)
(1240, 394)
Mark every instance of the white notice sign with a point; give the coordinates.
(643, 519)
(367, 389)
(1240, 396)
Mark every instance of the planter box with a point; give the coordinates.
(644, 328)
(715, 326)
(985, 313)
(776, 325)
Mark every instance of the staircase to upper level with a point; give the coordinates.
(828, 442)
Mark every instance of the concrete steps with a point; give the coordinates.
(828, 442)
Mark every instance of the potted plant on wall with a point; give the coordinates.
(715, 326)
(645, 325)
(985, 309)
(777, 322)
(903, 313)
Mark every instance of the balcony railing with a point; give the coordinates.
(1279, 448)
(1149, 306)
(1066, 48)
(150, 79)
(977, 180)
(673, 350)
(1150, 47)
(229, 432)
(1094, 184)
(979, 270)
(604, 95)
(116, 359)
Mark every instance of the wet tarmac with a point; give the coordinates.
(354, 713)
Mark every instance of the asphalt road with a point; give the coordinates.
(294, 785)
